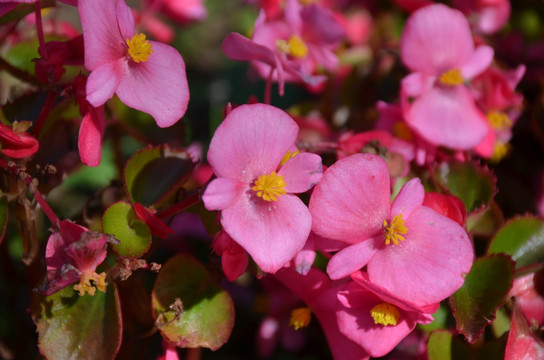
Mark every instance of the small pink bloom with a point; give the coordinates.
(447, 205)
(489, 16)
(408, 249)
(523, 343)
(234, 259)
(184, 11)
(145, 75)
(528, 291)
(258, 171)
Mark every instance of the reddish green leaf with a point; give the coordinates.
(484, 291)
(155, 172)
(133, 235)
(443, 345)
(522, 238)
(470, 182)
(78, 327)
(190, 308)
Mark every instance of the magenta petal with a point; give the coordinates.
(352, 199)
(480, 60)
(89, 251)
(302, 172)
(102, 39)
(352, 258)
(91, 132)
(222, 192)
(251, 141)
(158, 86)
(125, 20)
(429, 265)
(448, 117)
(103, 81)
(305, 258)
(320, 27)
(436, 39)
(271, 232)
(409, 199)
(238, 47)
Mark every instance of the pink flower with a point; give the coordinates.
(489, 15)
(529, 298)
(437, 46)
(145, 75)
(408, 249)
(184, 10)
(258, 172)
(16, 143)
(234, 259)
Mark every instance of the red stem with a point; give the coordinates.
(179, 207)
(268, 87)
(39, 26)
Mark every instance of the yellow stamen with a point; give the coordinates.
(300, 318)
(499, 120)
(295, 46)
(394, 231)
(99, 282)
(139, 48)
(500, 151)
(269, 187)
(306, 2)
(385, 314)
(452, 77)
(288, 156)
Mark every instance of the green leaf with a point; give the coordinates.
(522, 238)
(473, 184)
(443, 345)
(78, 327)
(484, 291)
(190, 308)
(134, 235)
(4, 215)
(155, 172)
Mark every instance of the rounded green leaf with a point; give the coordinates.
(154, 172)
(78, 327)
(473, 184)
(484, 291)
(134, 235)
(190, 308)
(443, 345)
(522, 238)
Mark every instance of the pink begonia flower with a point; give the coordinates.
(529, 293)
(408, 249)
(15, 142)
(319, 293)
(375, 318)
(489, 16)
(145, 75)
(72, 254)
(523, 343)
(234, 259)
(292, 47)
(437, 45)
(183, 11)
(258, 171)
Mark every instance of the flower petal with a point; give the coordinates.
(222, 192)
(238, 47)
(103, 82)
(125, 19)
(157, 86)
(352, 258)
(408, 199)
(480, 60)
(302, 172)
(91, 133)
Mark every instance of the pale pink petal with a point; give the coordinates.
(429, 265)
(487, 147)
(222, 192)
(103, 81)
(448, 117)
(352, 199)
(436, 39)
(305, 258)
(125, 20)
(271, 232)
(416, 83)
(352, 258)
(409, 199)
(251, 141)
(103, 41)
(324, 57)
(158, 86)
(91, 132)
(302, 172)
(480, 60)
(292, 16)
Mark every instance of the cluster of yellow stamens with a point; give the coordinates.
(294, 46)
(300, 318)
(139, 48)
(393, 232)
(385, 314)
(269, 187)
(500, 151)
(99, 282)
(288, 156)
(499, 120)
(452, 77)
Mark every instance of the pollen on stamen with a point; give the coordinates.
(452, 77)
(85, 285)
(269, 187)
(499, 120)
(294, 46)
(300, 318)
(288, 156)
(139, 48)
(385, 314)
(393, 232)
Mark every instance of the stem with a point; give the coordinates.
(179, 207)
(39, 26)
(268, 87)
(46, 109)
(18, 73)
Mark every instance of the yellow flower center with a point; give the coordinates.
(300, 318)
(500, 151)
(499, 120)
(269, 187)
(385, 314)
(288, 156)
(294, 46)
(139, 48)
(393, 232)
(99, 282)
(452, 77)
